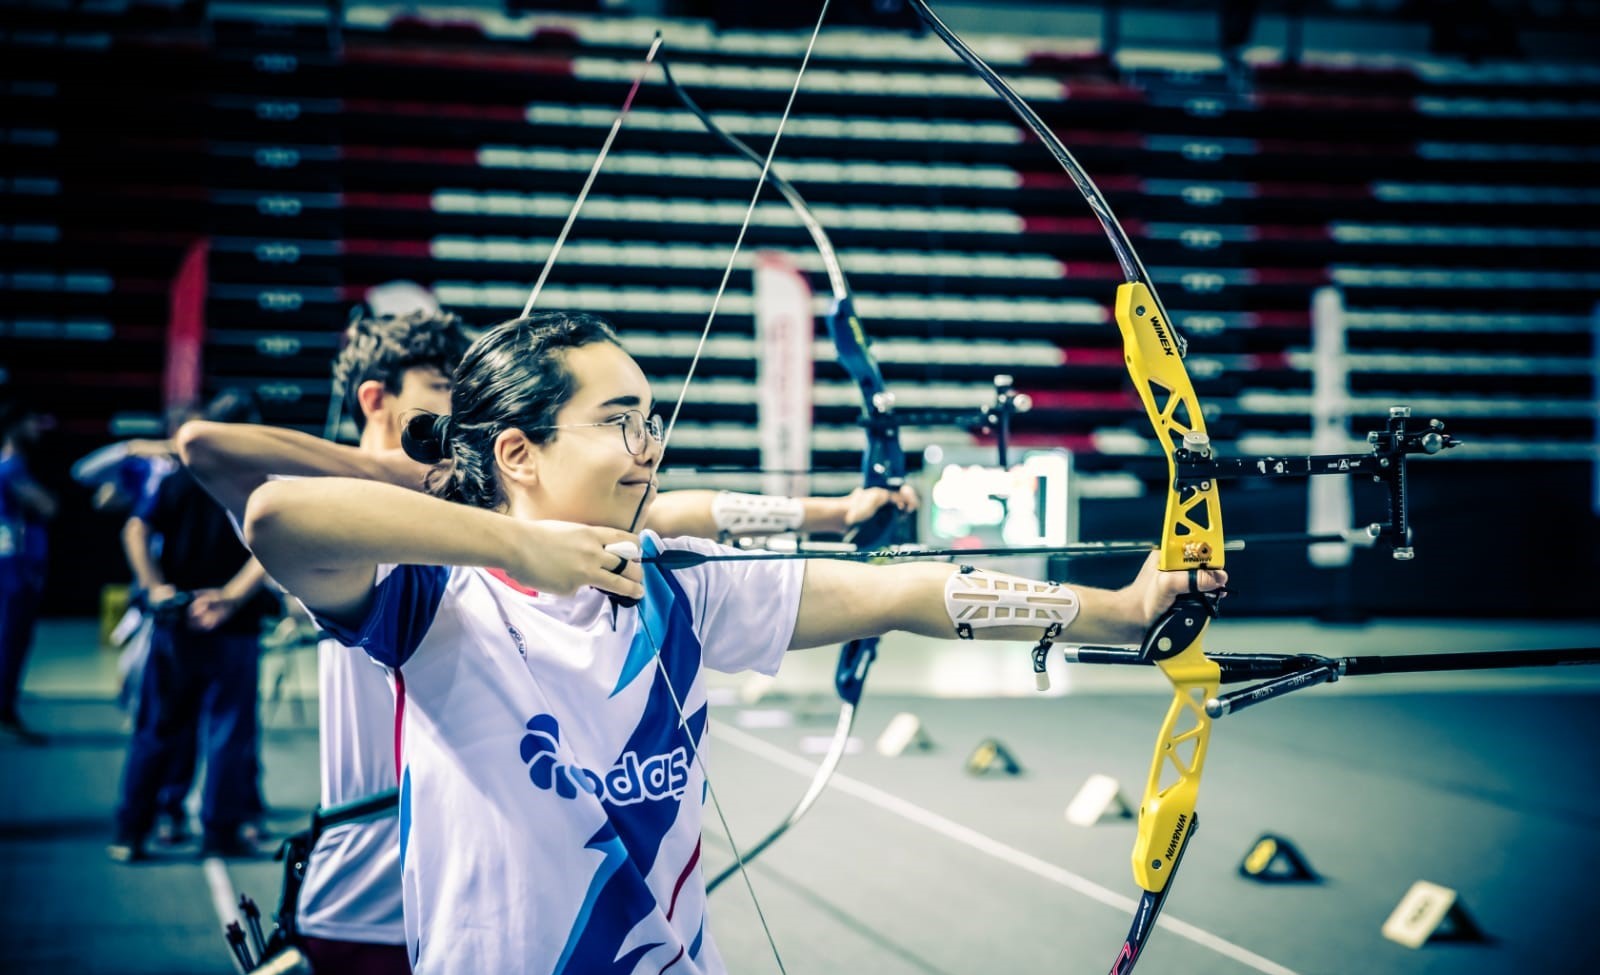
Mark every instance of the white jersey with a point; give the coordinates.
(550, 801)
(351, 890)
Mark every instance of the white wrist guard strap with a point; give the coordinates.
(976, 599)
(756, 514)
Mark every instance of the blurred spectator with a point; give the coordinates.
(24, 509)
(205, 594)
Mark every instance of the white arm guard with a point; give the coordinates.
(756, 514)
(977, 599)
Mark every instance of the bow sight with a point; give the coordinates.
(1196, 467)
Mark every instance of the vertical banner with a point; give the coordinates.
(1328, 503)
(785, 328)
(186, 329)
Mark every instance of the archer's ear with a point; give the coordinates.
(516, 458)
(371, 396)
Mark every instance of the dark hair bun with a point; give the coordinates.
(426, 437)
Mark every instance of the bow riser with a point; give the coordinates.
(883, 464)
(1191, 538)
(1192, 535)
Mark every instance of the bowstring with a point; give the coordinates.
(594, 171)
(666, 438)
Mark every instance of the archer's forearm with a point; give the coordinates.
(330, 523)
(825, 515)
(675, 513)
(233, 459)
(136, 546)
(246, 581)
(843, 601)
(693, 512)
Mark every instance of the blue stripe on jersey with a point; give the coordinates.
(403, 607)
(405, 813)
(612, 857)
(699, 939)
(622, 899)
(659, 601)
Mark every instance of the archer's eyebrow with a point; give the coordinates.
(626, 402)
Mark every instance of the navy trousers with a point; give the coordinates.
(195, 683)
(19, 608)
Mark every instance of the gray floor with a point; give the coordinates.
(1485, 784)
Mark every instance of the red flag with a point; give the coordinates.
(186, 328)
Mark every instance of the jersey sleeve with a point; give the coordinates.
(744, 612)
(156, 508)
(405, 602)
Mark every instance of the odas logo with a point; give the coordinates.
(631, 780)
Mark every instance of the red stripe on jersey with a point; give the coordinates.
(514, 584)
(399, 717)
(688, 868)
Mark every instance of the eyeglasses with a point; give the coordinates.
(635, 428)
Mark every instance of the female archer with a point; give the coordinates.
(551, 735)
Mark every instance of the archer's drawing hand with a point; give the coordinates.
(562, 557)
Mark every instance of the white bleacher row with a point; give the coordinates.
(1507, 108)
(1197, 147)
(30, 233)
(1478, 322)
(727, 213)
(1454, 406)
(1193, 280)
(1415, 235)
(1357, 276)
(60, 329)
(838, 393)
(964, 220)
(798, 171)
(935, 308)
(701, 37)
(1036, 90)
(82, 281)
(998, 354)
(1504, 152)
(747, 125)
(998, 267)
(872, 307)
(1003, 52)
(1440, 363)
(692, 256)
(990, 176)
(1392, 191)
